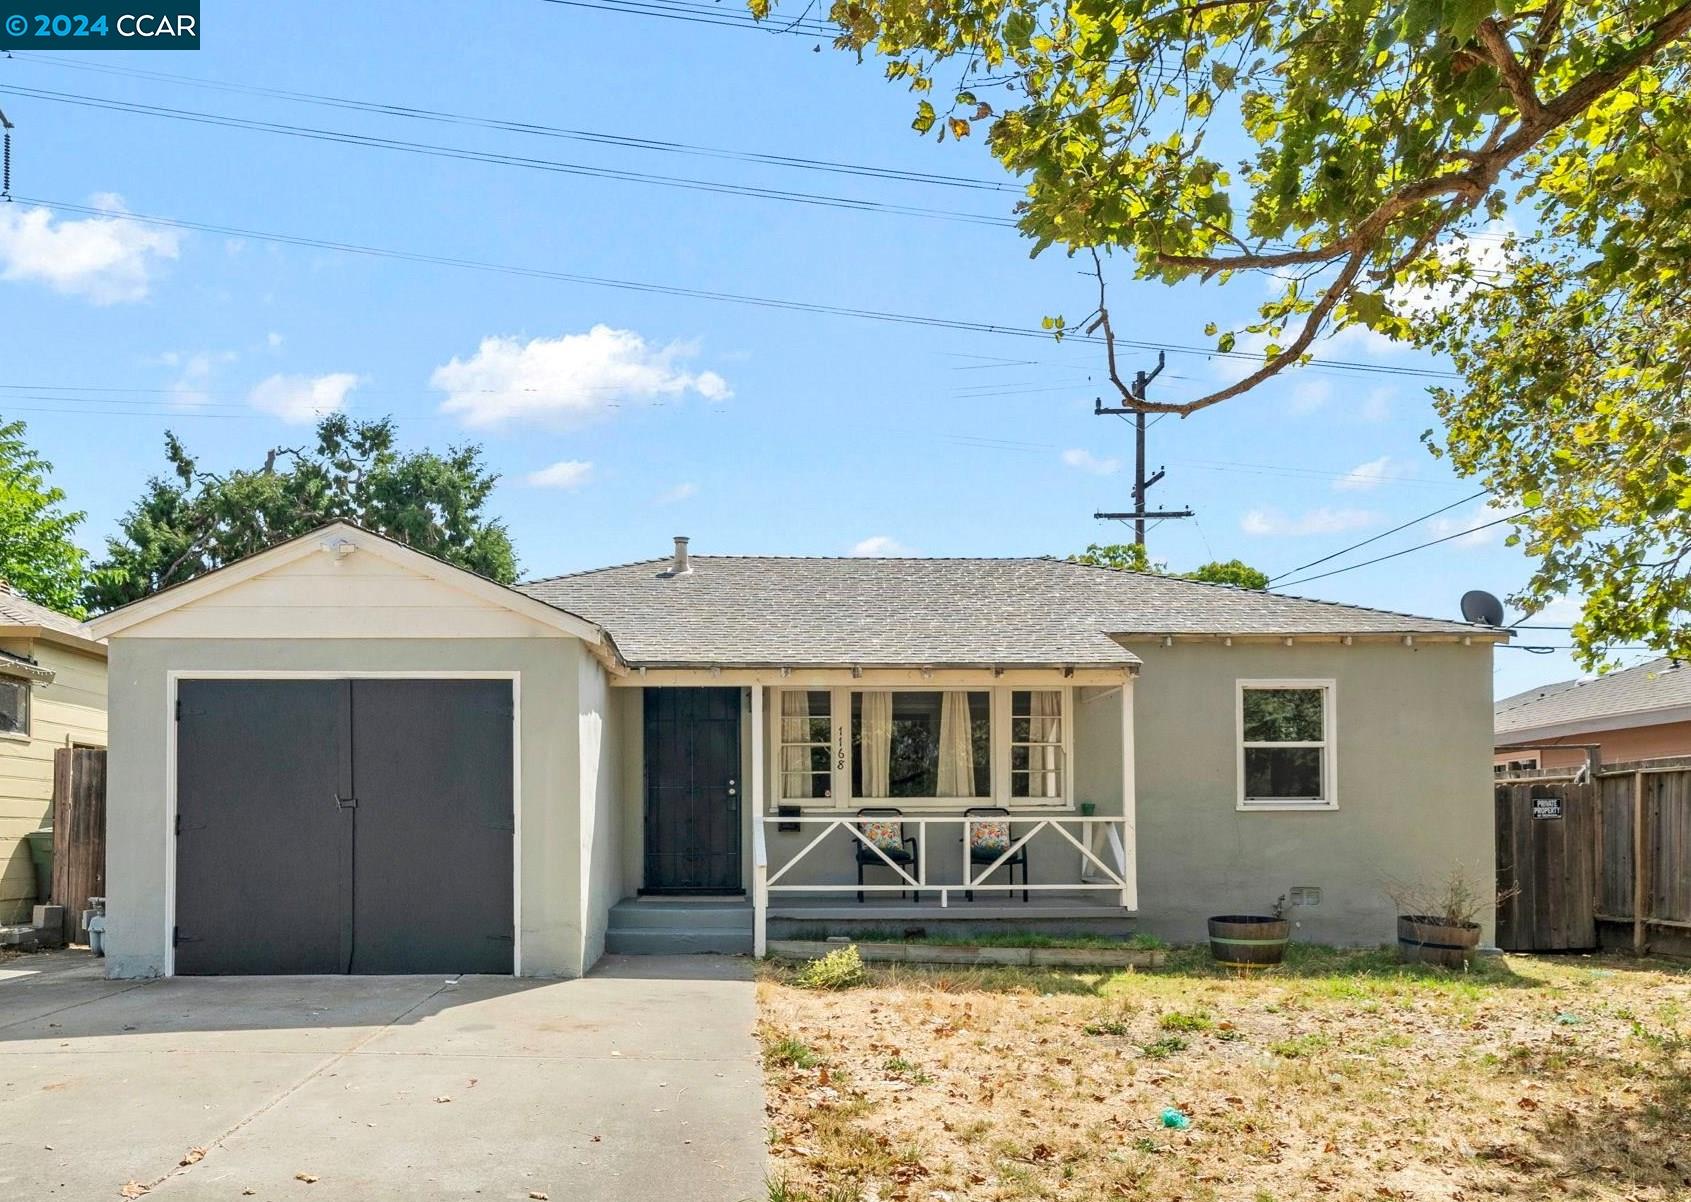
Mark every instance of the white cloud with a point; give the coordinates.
(1489, 511)
(1377, 405)
(300, 399)
(680, 492)
(1086, 461)
(1322, 520)
(879, 545)
(1484, 252)
(195, 371)
(567, 474)
(274, 340)
(107, 259)
(1364, 476)
(568, 380)
(1308, 395)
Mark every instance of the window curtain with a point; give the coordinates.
(956, 745)
(1045, 708)
(795, 729)
(875, 745)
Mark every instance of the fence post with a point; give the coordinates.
(1640, 894)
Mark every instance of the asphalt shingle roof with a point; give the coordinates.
(21, 611)
(764, 610)
(1604, 702)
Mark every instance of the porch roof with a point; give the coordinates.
(769, 611)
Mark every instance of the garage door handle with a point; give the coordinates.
(346, 803)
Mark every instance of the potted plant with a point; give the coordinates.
(1440, 924)
(1251, 940)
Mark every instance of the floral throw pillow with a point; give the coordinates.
(885, 835)
(991, 837)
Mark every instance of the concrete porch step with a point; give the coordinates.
(664, 913)
(677, 941)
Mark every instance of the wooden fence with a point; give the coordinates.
(1614, 844)
(79, 833)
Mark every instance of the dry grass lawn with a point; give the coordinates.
(1335, 1076)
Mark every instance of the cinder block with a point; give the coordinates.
(50, 922)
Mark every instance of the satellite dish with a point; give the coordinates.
(1481, 608)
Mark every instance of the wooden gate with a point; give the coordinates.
(79, 833)
(1547, 840)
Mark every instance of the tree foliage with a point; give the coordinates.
(37, 555)
(1132, 557)
(193, 521)
(1476, 176)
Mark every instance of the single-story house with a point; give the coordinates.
(52, 694)
(343, 755)
(1640, 713)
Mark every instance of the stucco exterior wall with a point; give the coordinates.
(1413, 777)
(71, 710)
(552, 922)
(602, 809)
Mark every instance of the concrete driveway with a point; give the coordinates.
(639, 1082)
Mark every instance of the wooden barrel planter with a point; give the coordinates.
(1425, 940)
(1249, 939)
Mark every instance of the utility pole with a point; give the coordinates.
(5, 157)
(1141, 482)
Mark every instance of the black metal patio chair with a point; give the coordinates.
(989, 840)
(877, 825)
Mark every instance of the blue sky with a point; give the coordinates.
(619, 418)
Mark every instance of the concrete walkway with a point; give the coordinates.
(639, 1082)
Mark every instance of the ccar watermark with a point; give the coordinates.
(93, 25)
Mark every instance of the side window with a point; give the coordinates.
(14, 706)
(1285, 754)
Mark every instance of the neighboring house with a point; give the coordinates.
(342, 755)
(52, 694)
(1637, 714)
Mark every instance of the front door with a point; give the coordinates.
(692, 791)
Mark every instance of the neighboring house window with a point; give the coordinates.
(921, 743)
(807, 743)
(933, 748)
(1286, 744)
(1036, 743)
(14, 706)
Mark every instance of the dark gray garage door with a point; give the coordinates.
(331, 826)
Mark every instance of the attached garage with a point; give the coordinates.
(343, 756)
(344, 826)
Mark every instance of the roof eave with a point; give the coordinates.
(1597, 724)
(48, 634)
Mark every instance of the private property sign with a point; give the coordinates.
(99, 25)
(1547, 805)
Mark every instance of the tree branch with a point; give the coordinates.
(1502, 56)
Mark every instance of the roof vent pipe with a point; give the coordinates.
(681, 566)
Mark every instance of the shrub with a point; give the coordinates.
(839, 969)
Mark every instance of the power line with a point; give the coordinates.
(1377, 537)
(1418, 547)
(510, 125)
(556, 166)
(700, 14)
(763, 302)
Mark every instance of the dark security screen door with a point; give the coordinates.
(692, 740)
(344, 826)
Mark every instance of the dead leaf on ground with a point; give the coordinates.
(308, 1178)
(194, 1156)
(131, 1189)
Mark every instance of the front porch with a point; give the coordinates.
(968, 800)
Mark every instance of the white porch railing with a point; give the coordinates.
(1109, 871)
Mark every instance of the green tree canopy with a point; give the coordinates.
(37, 556)
(1481, 177)
(193, 521)
(1132, 557)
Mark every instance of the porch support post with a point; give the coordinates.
(1129, 803)
(760, 853)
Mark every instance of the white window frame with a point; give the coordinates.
(1328, 745)
(28, 686)
(998, 701)
(778, 741)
